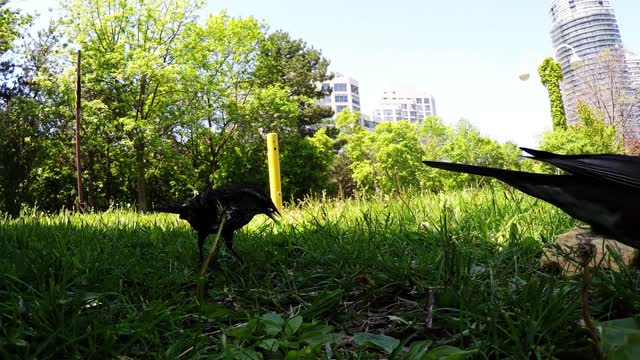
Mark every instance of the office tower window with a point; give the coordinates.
(342, 98)
(340, 87)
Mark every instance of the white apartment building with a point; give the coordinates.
(345, 94)
(633, 63)
(403, 103)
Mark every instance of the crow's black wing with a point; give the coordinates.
(610, 210)
(618, 169)
(524, 181)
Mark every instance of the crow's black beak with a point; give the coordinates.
(271, 212)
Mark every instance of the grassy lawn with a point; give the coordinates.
(324, 282)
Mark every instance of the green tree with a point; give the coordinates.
(19, 148)
(358, 144)
(305, 163)
(27, 120)
(221, 56)
(347, 122)
(593, 136)
(245, 84)
(12, 22)
(468, 146)
(131, 50)
(300, 68)
(342, 182)
(304, 160)
(398, 155)
(433, 135)
(551, 75)
(385, 160)
(169, 106)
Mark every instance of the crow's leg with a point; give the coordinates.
(201, 238)
(228, 241)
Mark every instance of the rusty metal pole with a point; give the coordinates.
(81, 203)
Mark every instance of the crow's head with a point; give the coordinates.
(271, 210)
(262, 203)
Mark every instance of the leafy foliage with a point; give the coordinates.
(298, 67)
(274, 336)
(133, 65)
(621, 338)
(551, 75)
(467, 145)
(593, 136)
(386, 159)
(169, 106)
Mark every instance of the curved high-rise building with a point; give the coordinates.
(590, 27)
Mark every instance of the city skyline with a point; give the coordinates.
(468, 54)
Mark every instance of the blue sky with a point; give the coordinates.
(467, 53)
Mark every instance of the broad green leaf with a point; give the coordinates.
(269, 344)
(630, 350)
(383, 342)
(293, 325)
(621, 337)
(272, 323)
(447, 352)
(418, 349)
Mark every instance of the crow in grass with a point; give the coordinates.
(601, 190)
(204, 212)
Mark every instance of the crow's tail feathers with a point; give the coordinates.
(539, 154)
(500, 174)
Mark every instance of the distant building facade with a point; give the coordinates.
(403, 103)
(633, 63)
(345, 94)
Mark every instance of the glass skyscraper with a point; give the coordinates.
(590, 27)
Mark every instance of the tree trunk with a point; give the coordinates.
(108, 177)
(141, 188)
(213, 150)
(375, 179)
(90, 195)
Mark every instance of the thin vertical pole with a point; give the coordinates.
(273, 158)
(81, 203)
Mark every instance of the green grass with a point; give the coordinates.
(120, 284)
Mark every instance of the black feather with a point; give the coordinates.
(601, 190)
(618, 169)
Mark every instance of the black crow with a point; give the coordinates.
(204, 212)
(601, 190)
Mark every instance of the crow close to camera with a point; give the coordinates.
(205, 211)
(601, 190)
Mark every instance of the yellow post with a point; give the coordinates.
(273, 157)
